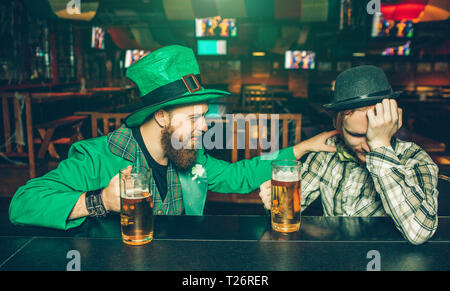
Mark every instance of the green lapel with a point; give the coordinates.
(194, 189)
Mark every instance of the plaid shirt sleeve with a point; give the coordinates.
(311, 173)
(407, 187)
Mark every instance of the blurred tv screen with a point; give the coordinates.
(211, 47)
(402, 50)
(382, 27)
(132, 56)
(215, 27)
(98, 38)
(299, 59)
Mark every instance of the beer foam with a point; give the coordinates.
(136, 193)
(286, 176)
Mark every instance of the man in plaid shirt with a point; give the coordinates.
(371, 173)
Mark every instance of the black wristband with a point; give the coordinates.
(94, 203)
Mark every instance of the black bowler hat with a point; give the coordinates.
(360, 86)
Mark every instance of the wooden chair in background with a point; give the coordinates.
(289, 126)
(15, 144)
(103, 123)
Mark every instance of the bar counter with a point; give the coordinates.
(224, 243)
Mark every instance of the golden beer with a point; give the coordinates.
(136, 207)
(286, 194)
(136, 219)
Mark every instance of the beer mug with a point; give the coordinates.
(286, 191)
(136, 207)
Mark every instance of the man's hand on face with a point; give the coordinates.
(384, 121)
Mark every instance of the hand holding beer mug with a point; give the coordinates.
(136, 207)
(285, 198)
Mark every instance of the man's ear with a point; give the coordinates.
(162, 118)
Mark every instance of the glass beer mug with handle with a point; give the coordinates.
(286, 191)
(136, 207)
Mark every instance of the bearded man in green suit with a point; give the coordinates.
(171, 110)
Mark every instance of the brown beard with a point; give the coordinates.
(183, 158)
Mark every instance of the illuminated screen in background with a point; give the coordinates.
(211, 47)
(299, 60)
(98, 38)
(391, 28)
(215, 27)
(133, 56)
(402, 50)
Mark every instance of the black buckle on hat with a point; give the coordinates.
(191, 81)
(173, 90)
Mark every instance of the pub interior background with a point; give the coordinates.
(62, 71)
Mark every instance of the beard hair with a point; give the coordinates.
(183, 158)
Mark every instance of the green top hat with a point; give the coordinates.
(360, 86)
(166, 77)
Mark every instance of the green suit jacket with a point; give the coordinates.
(48, 200)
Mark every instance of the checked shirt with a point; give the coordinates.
(398, 181)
